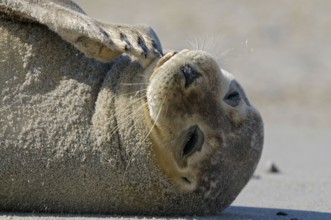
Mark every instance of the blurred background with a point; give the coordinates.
(280, 51)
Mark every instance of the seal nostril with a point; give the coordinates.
(190, 74)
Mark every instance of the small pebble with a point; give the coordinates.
(282, 213)
(272, 167)
(256, 177)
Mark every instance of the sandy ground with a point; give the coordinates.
(280, 51)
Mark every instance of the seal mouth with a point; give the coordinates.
(194, 141)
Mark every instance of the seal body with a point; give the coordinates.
(174, 135)
(70, 140)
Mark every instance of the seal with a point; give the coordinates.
(142, 134)
(200, 116)
(200, 128)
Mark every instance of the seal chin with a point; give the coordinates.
(193, 112)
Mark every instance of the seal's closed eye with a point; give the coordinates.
(195, 139)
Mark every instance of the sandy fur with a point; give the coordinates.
(73, 130)
(59, 151)
(95, 39)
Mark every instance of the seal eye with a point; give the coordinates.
(190, 75)
(194, 141)
(232, 98)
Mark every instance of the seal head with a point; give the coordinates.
(207, 137)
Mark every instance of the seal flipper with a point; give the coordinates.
(95, 39)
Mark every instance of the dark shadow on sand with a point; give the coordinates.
(254, 213)
(231, 213)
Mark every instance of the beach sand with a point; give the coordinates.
(280, 51)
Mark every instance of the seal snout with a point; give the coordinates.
(190, 74)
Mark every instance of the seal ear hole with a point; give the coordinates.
(194, 141)
(186, 180)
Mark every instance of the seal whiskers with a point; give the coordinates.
(115, 129)
(149, 132)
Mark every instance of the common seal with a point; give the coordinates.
(143, 134)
